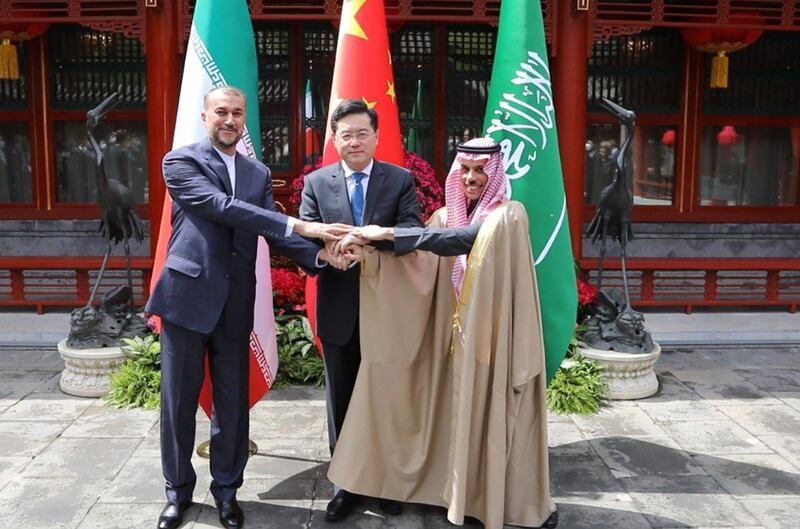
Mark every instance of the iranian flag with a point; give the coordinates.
(521, 117)
(221, 51)
(312, 134)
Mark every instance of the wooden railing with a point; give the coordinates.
(66, 281)
(42, 282)
(690, 283)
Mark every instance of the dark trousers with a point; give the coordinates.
(182, 355)
(341, 368)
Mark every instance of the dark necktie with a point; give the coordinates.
(357, 200)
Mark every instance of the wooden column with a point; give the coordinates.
(163, 29)
(569, 91)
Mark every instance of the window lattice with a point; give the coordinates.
(412, 59)
(319, 52)
(12, 91)
(272, 49)
(762, 78)
(641, 72)
(87, 66)
(470, 52)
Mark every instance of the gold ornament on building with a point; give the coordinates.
(9, 34)
(721, 41)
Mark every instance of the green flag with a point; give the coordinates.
(414, 143)
(521, 117)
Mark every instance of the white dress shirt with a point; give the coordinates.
(230, 164)
(351, 182)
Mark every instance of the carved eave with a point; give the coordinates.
(609, 18)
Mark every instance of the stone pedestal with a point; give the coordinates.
(87, 372)
(628, 375)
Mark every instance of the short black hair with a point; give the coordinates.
(348, 107)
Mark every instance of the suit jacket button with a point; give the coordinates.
(234, 254)
(227, 276)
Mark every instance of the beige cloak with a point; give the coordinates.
(449, 405)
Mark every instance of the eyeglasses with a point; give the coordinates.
(360, 136)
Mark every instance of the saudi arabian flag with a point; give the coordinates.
(221, 52)
(521, 117)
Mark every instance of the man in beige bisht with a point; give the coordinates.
(449, 405)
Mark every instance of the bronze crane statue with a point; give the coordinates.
(119, 221)
(613, 216)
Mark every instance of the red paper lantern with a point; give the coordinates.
(721, 41)
(668, 138)
(727, 136)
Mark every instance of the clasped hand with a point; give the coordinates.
(347, 247)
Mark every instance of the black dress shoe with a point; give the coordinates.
(551, 522)
(390, 507)
(340, 506)
(172, 514)
(230, 514)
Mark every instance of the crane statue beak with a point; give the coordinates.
(95, 115)
(622, 113)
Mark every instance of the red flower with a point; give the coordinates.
(288, 288)
(587, 293)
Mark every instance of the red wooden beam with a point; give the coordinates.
(162, 101)
(570, 74)
(71, 263)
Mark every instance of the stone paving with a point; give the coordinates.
(717, 447)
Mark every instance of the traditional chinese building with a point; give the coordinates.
(717, 145)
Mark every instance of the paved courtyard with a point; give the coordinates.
(718, 447)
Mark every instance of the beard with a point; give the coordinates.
(226, 143)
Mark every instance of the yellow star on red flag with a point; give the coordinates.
(363, 71)
(390, 90)
(350, 25)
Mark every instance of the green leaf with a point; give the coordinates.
(578, 388)
(299, 359)
(137, 383)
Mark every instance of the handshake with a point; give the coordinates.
(344, 244)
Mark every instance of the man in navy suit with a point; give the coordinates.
(221, 202)
(359, 190)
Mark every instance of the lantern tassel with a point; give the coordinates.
(719, 70)
(9, 65)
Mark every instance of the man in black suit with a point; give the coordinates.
(359, 190)
(221, 202)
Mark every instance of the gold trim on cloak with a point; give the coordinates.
(475, 260)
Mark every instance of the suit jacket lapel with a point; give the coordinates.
(340, 196)
(242, 179)
(377, 179)
(218, 167)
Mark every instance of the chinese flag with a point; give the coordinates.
(363, 70)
